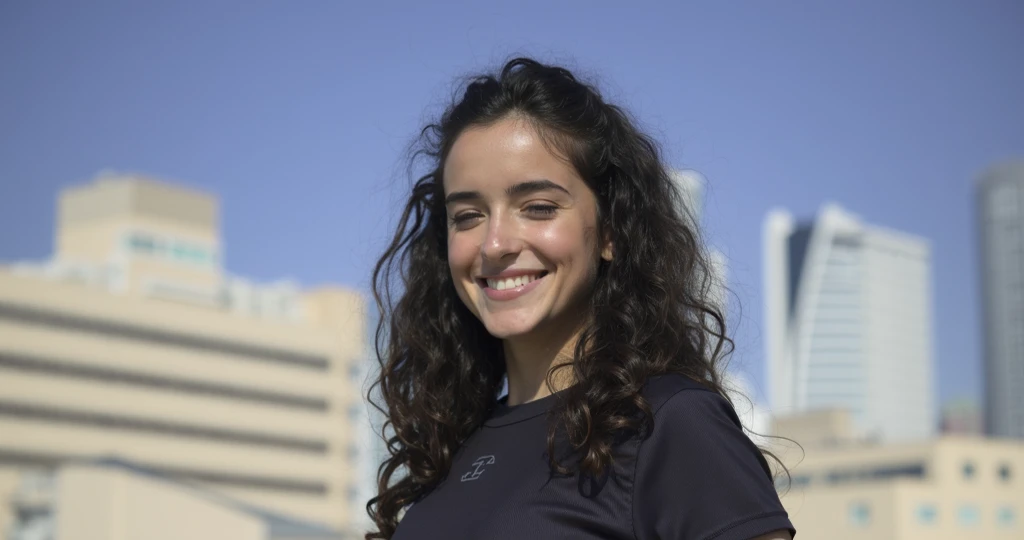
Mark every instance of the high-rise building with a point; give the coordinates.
(848, 322)
(1000, 203)
(743, 394)
(372, 447)
(133, 343)
(691, 185)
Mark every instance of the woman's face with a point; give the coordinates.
(522, 232)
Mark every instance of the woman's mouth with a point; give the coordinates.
(510, 287)
(500, 284)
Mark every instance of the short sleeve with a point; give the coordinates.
(699, 477)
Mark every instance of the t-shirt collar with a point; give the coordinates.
(505, 414)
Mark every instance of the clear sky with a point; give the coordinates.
(296, 115)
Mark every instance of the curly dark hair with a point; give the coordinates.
(652, 310)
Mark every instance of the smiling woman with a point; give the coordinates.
(522, 251)
(546, 249)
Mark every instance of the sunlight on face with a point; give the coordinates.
(522, 231)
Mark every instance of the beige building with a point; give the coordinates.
(132, 342)
(114, 500)
(948, 488)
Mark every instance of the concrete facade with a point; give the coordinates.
(116, 500)
(949, 488)
(133, 342)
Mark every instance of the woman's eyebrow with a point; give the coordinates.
(460, 196)
(522, 188)
(533, 186)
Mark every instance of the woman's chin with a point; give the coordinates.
(503, 330)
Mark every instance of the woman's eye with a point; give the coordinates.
(465, 218)
(541, 210)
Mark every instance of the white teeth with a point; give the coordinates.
(510, 283)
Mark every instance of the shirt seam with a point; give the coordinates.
(733, 525)
(636, 464)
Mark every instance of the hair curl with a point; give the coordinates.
(652, 310)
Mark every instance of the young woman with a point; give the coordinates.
(546, 247)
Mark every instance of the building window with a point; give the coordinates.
(128, 423)
(143, 244)
(97, 373)
(968, 470)
(798, 481)
(897, 470)
(968, 516)
(239, 349)
(181, 252)
(927, 514)
(1004, 472)
(860, 514)
(155, 245)
(1006, 517)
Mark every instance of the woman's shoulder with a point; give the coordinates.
(697, 474)
(686, 402)
(662, 389)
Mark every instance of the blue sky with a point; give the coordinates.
(297, 113)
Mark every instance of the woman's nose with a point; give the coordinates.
(502, 239)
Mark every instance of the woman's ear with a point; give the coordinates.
(607, 252)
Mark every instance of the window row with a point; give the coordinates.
(859, 514)
(850, 476)
(1003, 471)
(177, 250)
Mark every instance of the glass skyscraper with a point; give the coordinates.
(1000, 200)
(848, 322)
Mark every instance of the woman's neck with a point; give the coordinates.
(528, 360)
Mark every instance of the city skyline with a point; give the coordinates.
(915, 489)
(298, 119)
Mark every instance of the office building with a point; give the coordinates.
(133, 343)
(116, 500)
(691, 186)
(845, 488)
(1000, 210)
(848, 322)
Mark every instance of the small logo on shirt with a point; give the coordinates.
(478, 468)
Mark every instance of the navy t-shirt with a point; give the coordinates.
(697, 476)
